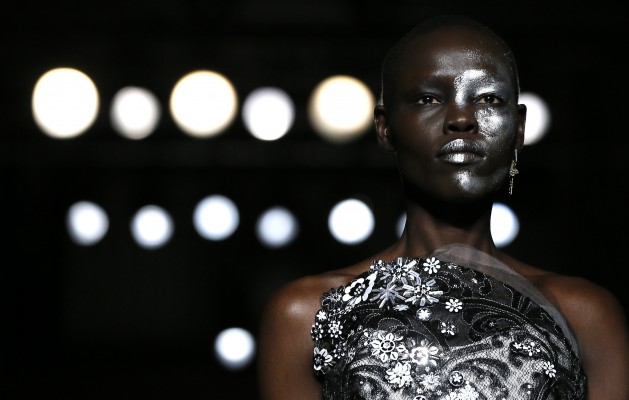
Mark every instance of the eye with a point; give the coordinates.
(490, 99)
(427, 100)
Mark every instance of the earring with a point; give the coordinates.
(513, 171)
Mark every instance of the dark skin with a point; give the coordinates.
(455, 84)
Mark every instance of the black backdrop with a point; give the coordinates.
(113, 321)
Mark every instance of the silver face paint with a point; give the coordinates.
(495, 127)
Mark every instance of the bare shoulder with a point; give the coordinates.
(301, 298)
(579, 299)
(599, 323)
(285, 344)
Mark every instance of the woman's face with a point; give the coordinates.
(452, 116)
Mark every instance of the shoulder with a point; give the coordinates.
(576, 297)
(301, 298)
(285, 345)
(599, 323)
(580, 300)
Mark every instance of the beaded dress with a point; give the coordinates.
(457, 325)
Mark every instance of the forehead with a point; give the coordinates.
(450, 51)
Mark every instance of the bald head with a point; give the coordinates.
(455, 26)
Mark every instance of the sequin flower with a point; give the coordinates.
(384, 346)
(322, 359)
(422, 293)
(359, 289)
(399, 375)
(332, 298)
(467, 392)
(549, 369)
(431, 265)
(424, 353)
(454, 305)
(317, 331)
(448, 329)
(429, 381)
(386, 294)
(399, 271)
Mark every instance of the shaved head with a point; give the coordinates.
(393, 60)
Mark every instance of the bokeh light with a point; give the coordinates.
(87, 223)
(65, 103)
(276, 227)
(152, 227)
(203, 103)
(135, 112)
(234, 347)
(216, 217)
(340, 108)
(351, 221)
(268, 113)
(537, 117)
(505, 225)
(401, 223)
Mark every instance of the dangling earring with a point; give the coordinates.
(513, 171)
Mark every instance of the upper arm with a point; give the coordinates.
(600, 325)
(286, 348)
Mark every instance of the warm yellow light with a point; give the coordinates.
(65, 103)
(203, 103)
(341, 108)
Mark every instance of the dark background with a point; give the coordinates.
(113, 321)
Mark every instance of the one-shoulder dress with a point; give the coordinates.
(456, 325)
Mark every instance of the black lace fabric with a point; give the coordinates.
(457, 325)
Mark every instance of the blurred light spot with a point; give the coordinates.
(268, 113)
(87, 223)
(152, 227)
(216, 217)
(504, 225)
(135, 112)
(537, 118)
(341, 108)
(65, 103)
(401, 222)
(234, 348)
(277, 227)
(203, 103)
(351, 221)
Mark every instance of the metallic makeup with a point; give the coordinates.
(454, 118)
(469, 87)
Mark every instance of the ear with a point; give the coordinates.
(519, 141)
(382, 128)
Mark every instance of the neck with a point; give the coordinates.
(427, 229)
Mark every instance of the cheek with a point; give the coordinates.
(493, 123)
(498, 128)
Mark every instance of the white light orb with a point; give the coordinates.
(234, 347)
(276, 227)
(216, 217)
(152, 227)
(505, 225)
(268, 113)
(65, 103)
(135, 112)
(87, 223)
(203, 103)
(351, 221)
(537, 117)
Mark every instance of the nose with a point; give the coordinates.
(460, 119)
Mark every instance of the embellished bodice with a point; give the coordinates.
(428, 328)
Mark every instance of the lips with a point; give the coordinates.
(461, 151)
